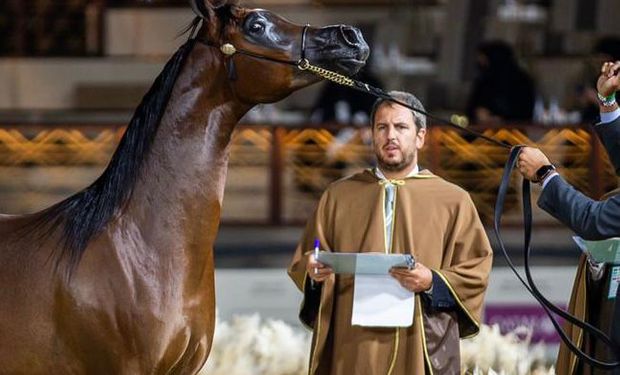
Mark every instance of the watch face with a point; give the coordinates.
(540, 173)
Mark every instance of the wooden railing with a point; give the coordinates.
(278, 172)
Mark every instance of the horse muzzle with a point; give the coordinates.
(340, 48)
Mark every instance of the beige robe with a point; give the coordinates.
(435, 221)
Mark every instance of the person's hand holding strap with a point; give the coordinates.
(534, 164)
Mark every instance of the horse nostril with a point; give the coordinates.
(350, 35)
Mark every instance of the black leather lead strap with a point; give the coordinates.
(530, 285)
(379, 93)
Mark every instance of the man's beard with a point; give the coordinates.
(395, 166)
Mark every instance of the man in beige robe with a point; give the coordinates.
(395, 208)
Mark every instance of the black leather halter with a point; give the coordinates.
(230, 50)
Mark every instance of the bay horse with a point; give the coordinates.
(119, 278)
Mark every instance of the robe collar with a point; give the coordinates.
(415, 173)
(381, 176)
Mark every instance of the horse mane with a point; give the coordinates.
(85, 214)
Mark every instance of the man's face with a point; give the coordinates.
(395, 138)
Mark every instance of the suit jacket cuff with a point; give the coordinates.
(440, 298)
(607, 117)
(545, 200)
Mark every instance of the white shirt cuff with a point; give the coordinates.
(607, 117)
(546, 180)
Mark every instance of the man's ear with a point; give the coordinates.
(420, 137)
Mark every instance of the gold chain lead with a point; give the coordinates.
(324, 73)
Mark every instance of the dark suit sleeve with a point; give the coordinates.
(609, 134)
(440, 299)
(590, 219)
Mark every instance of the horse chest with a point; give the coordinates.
(150, 336)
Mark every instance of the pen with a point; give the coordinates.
(316, 253)
(316, 256)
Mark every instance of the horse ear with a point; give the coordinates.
(215, 4)
(202, 8)
(199, 7)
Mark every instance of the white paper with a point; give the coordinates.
(380, 301)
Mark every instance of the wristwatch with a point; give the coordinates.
(543, 172)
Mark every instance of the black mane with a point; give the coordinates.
(85, 214)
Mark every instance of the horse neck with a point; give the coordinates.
(177, 199)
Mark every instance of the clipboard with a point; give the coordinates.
(365, 263)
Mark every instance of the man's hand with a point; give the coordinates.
(317, 271)
(417, 280)
(530, 160)
(609, 80)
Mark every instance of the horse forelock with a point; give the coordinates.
(227, 13)
(84, 215)
(226, 3)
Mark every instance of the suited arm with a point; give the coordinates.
(607, 85)
(594, 220)
(590, 219)
(609, 134)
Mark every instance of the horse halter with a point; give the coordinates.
(229, 50)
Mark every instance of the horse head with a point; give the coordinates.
(267, 72)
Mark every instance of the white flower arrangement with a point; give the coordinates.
(248, 345)
(492, 353)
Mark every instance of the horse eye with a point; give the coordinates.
(257, 27)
